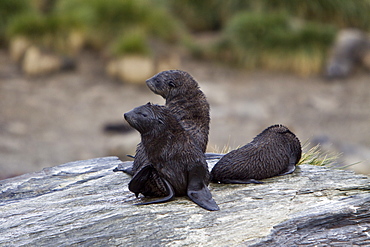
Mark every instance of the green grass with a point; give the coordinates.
(274, 35)
(108, 21)
(283, 35)
(341, 13)
(8, 10)
(134, 42)
(104, 25)
(274, 42)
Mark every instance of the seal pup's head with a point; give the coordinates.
(170, 83)
(150, 117)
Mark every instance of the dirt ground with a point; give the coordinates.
(51, 120)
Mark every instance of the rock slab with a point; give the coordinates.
(84, 203)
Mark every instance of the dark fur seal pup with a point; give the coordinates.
(275, 151)
(350, 50)
(187, 102)
(177, 165)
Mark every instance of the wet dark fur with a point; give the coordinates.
(186, 101)
(273, 152)
(176, 163)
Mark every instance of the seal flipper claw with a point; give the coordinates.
(130, 156)
(198, 192)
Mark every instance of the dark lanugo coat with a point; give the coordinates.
(273, 152)
(186, 102)
(177, 165)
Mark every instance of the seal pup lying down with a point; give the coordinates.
(177, 165)
(275, 151)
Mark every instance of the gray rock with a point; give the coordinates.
(84, 203)
(38, 62)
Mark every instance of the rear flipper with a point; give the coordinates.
(198, 191)
(125, 167)
(170, 195)
(148, 182)
(290, 169)
(239, 181)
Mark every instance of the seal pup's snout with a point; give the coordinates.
(129, 116)
(125, 115)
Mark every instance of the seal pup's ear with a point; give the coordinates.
(198, 191)
(171, 83)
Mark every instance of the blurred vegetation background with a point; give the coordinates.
(278, 35)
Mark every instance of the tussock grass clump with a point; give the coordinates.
(199, 16)
(341, 13)
(315, 156)
(8, 10)
(109, 23)
(105, 25)
(283, 35)
(134, 42)
(276, 42)
(50, 31)
(223, 150)
(210, 15)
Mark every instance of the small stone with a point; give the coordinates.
(133, 68)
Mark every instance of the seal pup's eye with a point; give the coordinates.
(142, 114)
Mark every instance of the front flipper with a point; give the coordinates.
(125, 167)
(198, 191)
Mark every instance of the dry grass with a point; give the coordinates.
(303, 63)
(315, 156)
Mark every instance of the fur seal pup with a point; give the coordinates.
(275, 151)
(350, 50)
(185, 100)
(187, 103)
(177, 165)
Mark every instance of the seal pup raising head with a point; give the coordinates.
(185, 100)
(177, 165)
(275, 151)
(187, 103)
